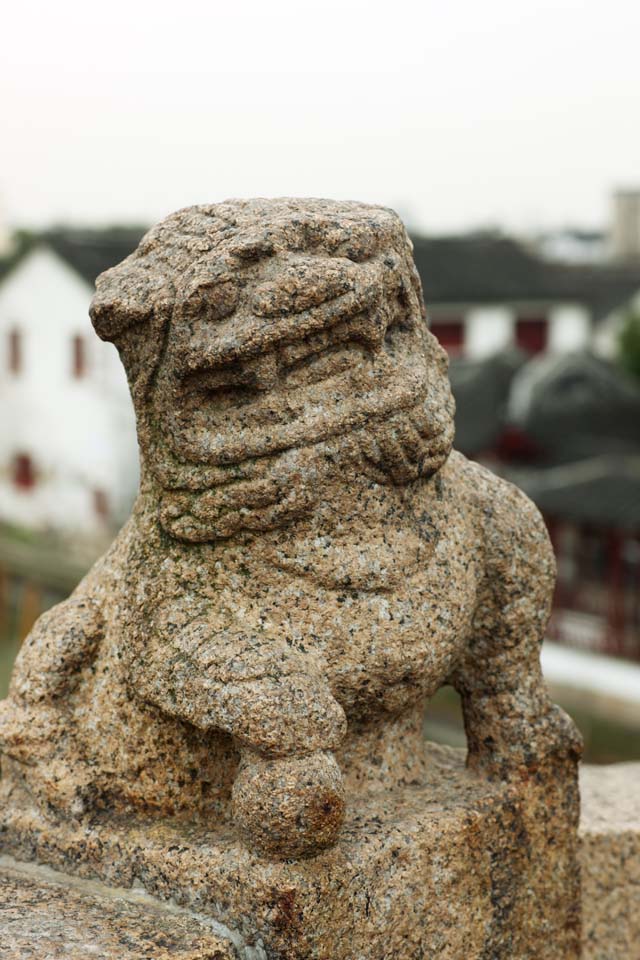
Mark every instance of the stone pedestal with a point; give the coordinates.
(451, 867)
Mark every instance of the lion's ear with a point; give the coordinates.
(125, 296)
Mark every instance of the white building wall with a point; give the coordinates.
(569, 328)
(605, 340)
(488, 329)
(79, 433)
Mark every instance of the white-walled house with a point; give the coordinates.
(68, 453)
(486, 293)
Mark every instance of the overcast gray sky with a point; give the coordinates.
(456, 112)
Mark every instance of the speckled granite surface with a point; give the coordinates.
(610, 861)
(48, 916)
(231, 700)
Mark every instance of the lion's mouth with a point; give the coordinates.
(292, 369)
(312, 397)
(238, 403)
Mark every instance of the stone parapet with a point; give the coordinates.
(610, 861)
(46, 915)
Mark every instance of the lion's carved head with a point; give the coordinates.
(270, 341)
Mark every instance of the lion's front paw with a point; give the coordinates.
(289, 808)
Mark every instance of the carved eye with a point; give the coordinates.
(212, 301)
(401, 319)
(303, 285)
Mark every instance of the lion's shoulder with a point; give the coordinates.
(511, 524)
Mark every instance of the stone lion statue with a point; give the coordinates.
(307, 561)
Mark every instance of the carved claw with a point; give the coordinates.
(291, 808)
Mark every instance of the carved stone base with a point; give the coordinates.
(453, 867)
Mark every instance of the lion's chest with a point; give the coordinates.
(388, 617)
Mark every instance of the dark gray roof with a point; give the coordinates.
(481, 390)
(88, 252)
(575, 406)
(492, 268)
(22, 242)
(604, 491)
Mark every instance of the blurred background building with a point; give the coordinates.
(67, 448)
(548, 396)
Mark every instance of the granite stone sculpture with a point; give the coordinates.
(307, 563)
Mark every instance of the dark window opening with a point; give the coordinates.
(15, 351)
(450, 334)
(531, 334)
(79, 362)
(24, 476)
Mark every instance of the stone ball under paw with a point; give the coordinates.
(291, 808)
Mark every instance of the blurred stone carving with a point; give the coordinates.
(306, 564)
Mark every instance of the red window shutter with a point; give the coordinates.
(15, 351)
(515, 445)
(101, 504)
(450, 334)
(79, 357)
(24, 476)
(531, 334)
